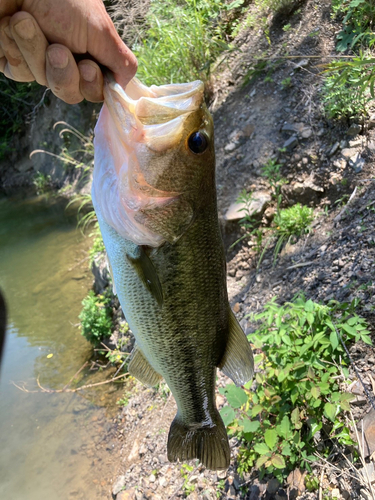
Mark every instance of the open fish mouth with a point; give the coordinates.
(137, 138)
(152, 115)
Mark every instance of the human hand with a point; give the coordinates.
(39, 37)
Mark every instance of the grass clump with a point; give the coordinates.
(292, 222)
(96, 317)
(182, 40)
(299, 397)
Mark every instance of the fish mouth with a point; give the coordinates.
(152, 115)
(137, 136)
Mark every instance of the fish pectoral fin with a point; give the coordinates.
(208, 443)
(238, 360)
(141, 369)
(146, 271)
(169, 221)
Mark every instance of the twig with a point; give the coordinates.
(88, 386)
(76, 374)
(300, 264)
(338, 217)
(321, 484)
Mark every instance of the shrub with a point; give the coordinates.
(298, 393)
(96, 317)
(348, 87)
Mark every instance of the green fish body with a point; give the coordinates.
(168, 262)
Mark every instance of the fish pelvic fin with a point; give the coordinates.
(141, 369)
(146, 271)
(238, 360)
(207, 443)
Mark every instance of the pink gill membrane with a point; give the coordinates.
(133, 125)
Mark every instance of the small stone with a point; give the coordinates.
(356, 162)
(118, 486)
(272, 486)
(287, 127)
(334, 149)
(306, 133)
(236, 308)
(152, 478)
(259, 199)
(302, 63)
(335, 493)
(348, 153)
(354, 129)
(163, 482)
(291, 143)
(231, 146)
(126, 495)
(134, 451)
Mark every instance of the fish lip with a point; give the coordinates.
(153, 105)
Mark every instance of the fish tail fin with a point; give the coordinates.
(208, 443)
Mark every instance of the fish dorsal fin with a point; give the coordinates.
(141, 369)
(146, 271)
(238, 361)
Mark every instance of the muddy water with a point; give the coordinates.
(52, 445)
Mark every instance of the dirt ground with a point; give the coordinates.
(336, 260)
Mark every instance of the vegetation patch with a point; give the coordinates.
(299, 395)
(96, 317)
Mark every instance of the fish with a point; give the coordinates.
(155, 199)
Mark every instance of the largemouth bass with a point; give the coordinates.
(155, 199)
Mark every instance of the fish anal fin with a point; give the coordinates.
(208, 443)
(238, 360)
(141, 369)
(146, 271)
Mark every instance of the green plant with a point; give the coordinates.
(41, 182)
(272, 172)
(292, 221)
(348, 87)
(96, 317)
(183, 39)
(286, 83)
(287, 27)
(358, 22)
(97, 244)
(298, 397)
(186, 471)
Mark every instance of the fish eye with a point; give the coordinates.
(197, 142)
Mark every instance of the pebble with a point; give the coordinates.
(118, 485)
(291, 143)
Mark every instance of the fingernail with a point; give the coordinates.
(58, 58)
(25, 29)
(88, 72)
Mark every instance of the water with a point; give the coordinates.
(52, 445)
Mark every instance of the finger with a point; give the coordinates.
(32, 44)
(91, 83)
(62, 74)
(108, 49)
(16, 67)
